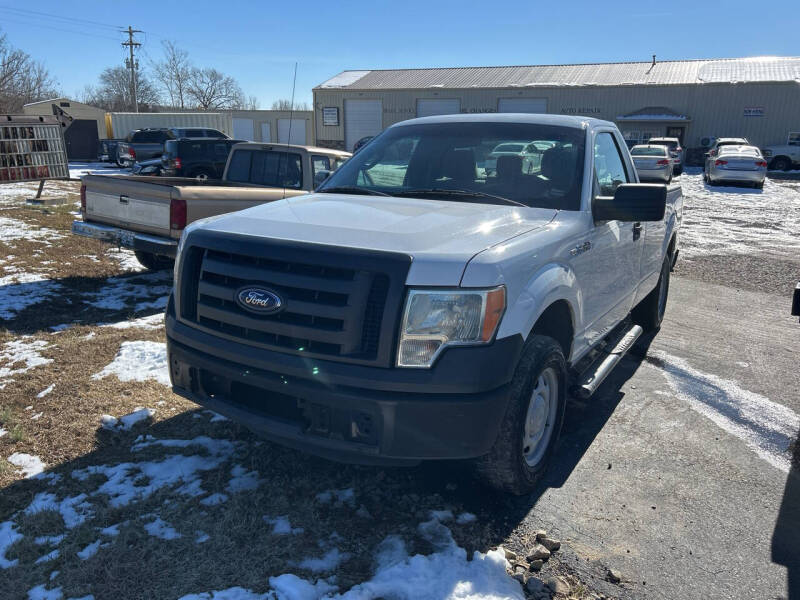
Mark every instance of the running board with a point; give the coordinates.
(591, 378)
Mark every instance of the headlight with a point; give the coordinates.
(436, 319)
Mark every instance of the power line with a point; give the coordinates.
(133, 64)
(54, 28)
(59, 17)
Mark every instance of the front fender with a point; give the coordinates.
(552, 282)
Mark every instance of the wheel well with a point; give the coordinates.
(556, 322)
(671, 247)
(783, 156)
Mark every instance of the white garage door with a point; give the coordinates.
(522, 105)
(361, 118)
(298, 131)
(243, 129)
(266, 133)
(429, 107)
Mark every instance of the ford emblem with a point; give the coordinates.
(259, 300)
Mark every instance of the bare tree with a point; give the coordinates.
(284, 104)
(174, 73)
(209, 89)
(252, 103)
(22, 79)
(114, 91)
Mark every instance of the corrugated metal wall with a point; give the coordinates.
(714, 109)
(271, 116)
(124, 123)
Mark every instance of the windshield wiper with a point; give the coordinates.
(461, 193)
(352, 190)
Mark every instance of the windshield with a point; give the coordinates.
(512, 148)
(451, 161)
(648, 151)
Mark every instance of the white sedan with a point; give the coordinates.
(653, 162)
(744, 164)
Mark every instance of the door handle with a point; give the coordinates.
(637, 231)
(123, 199)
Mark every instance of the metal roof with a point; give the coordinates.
(669, 72)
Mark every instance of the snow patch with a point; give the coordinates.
(151, 322)
(242, 480)
(330, 561)
(126, 422)
(46, 391)
(281, 526)
(338, 497)
(125, 258)
(52, 555)
(139, 361)
(19, 291)
(90, 550)
(214, 499)
(8, 537)
(40, 592)
(161, 529)
(20, 356)
(120, 292)
(465, 518)
(74, 510)
(28, 464)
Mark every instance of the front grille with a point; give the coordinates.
(333, 307)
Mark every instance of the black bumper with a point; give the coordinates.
(348, 412)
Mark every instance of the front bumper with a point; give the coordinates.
(348, 412)
(126, 239)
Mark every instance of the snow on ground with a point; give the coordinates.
(29, 464)
(128, 421)
(8, 536)
(21, 290)
(737, 220)
(14, 229)
(16, 193)
(242, 479)
(161, 529)
(74, 510)
(155, 321)
(338, 497)
(90, 550)
(327, 563)
(78, 169)
(120, 292)
(125, 258)
(139, 361)
(19, 356)
(46, 391)
(282, 526)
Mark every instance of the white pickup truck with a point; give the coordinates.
(421, 306)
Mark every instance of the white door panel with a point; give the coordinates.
(243, 129)
(361, 119)
(430, 107)
(522, 105)
(298, 131)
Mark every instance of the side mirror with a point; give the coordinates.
(632, 202)
(320, 177)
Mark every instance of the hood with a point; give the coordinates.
(440, 236)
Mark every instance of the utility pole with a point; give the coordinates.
(131, 63)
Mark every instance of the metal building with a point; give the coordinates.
(757, 98)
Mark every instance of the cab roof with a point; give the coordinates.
(276, 146)
(576, 122)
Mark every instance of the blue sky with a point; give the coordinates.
(259, 42)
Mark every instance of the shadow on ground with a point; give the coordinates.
(786, 537)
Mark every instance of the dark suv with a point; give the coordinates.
(196, 157)
(144, 144)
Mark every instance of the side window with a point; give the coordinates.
(609, 167)
(794, 138)
(239, 168)
(221, 150)
(320, 163)
(276, 169)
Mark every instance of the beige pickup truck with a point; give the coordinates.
(148, 214)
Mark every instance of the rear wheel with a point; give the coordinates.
(154, 262)
(202, 174)
(650, 311)
(781, 164)
(532, 422)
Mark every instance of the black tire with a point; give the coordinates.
(505, 467)
(781, 163)
(650, 311)
(154, 262)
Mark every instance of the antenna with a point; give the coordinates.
(289, 137)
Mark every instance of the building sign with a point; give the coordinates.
(330, 116)
(31, 149)
(753, 111)
(580, 110)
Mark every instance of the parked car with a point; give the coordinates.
(432, 314)
(786, 156)
(742, 164)
(107, 150)
(653, 162)
(144, 144)
(719, 143)
(148, 214)
(675, 151)
(531, 155)
(154, 167)
(196, 157)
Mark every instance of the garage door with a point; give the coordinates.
(266, 134)
(298, 131)
(522, 105)
(361, 118)
(429, 107)
(243, 129)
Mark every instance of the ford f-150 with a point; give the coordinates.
(421, 306)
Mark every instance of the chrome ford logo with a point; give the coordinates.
(259, 300)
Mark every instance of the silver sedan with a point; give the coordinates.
(653, 162)
(743, 164)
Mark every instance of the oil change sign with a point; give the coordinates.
(31, 149)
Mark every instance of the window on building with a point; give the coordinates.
(794, 138)
(609, 167)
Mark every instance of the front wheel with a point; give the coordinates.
(650, 311)
(781, 164)
(532, 422)
(154, 262)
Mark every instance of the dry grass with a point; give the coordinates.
(240, 549)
